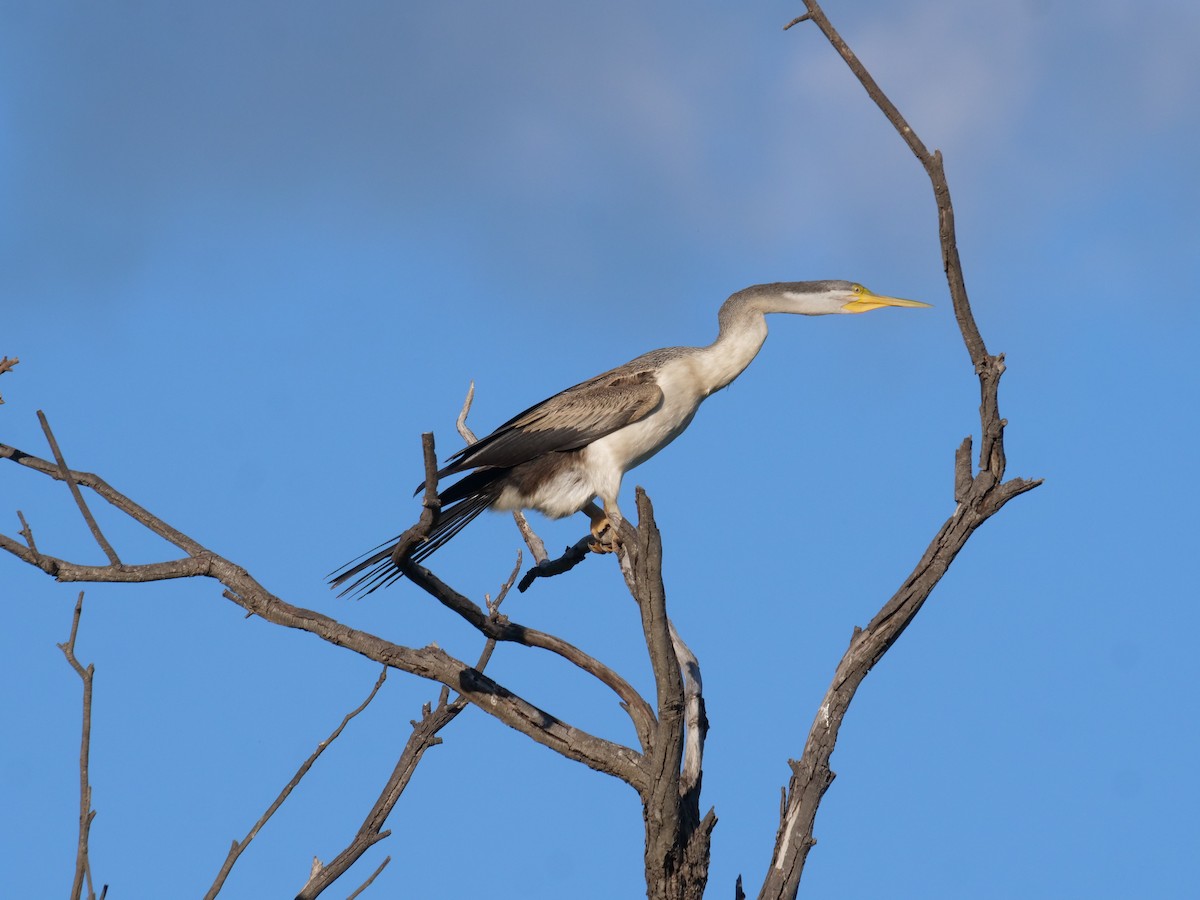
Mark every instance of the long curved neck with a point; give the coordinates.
(743, 329)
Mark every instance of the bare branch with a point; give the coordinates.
(112, 497)
(464, 430)
(27, 533)
(666, 750)
(978, 497)
(86, 813)
(547, 568)
(677, 838)
(500, 628)
(424, 736)
(695, 718)
(366, 884)
(243, 589)
(536, 545)
(532, 541)
(239, 846)
(65, 571)
(932, 163)
(75, 492)
(431, 505)
(6, 365)
(962, 470)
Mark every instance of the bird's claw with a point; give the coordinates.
(604, 537)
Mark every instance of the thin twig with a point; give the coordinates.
(5, 365)
(464, 430)
(239, 846)
(76, 493)
(366, 884)
(27, 533)
(424, 736)
(536, 545)
(932, 162)
(532, 541)
(86, 813)
(113, 497)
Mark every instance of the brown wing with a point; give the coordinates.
(566, 421)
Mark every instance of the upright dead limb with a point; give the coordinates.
(83, 871)
(978, 497)
(678, 838)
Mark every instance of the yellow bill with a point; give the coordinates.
(865, 301)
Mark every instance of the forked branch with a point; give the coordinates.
(427, 662)
(978, 496)
(423, 736)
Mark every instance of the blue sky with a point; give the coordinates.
(249, 252)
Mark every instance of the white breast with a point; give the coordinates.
(607, 459)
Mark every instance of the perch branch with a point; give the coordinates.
(428, 662)
(547, 568)
(500, 628)
(667, 750)
(677, 838)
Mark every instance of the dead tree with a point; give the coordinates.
(665, 767)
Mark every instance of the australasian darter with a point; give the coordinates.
(558, 456)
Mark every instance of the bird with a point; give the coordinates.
(561, 454)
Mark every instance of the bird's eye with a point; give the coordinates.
(858, 289)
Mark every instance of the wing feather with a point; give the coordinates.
(567, 421)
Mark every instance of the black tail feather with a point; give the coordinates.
(375, 568)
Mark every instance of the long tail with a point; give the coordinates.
(374, 569)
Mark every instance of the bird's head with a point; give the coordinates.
(819, 298)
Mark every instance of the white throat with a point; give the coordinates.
(741, 337)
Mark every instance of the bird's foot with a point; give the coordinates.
(604, 536)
